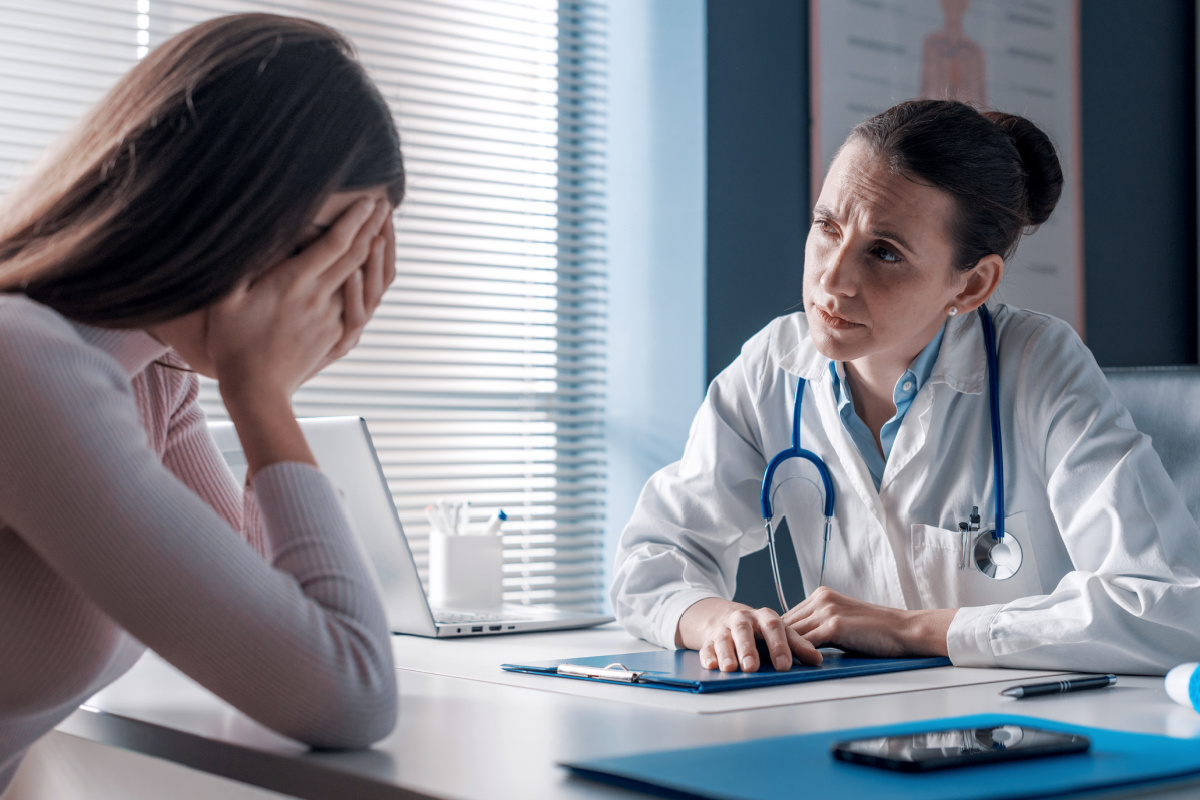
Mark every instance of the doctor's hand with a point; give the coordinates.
(827, 617)
(726, 634)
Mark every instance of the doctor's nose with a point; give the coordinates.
(837, 273)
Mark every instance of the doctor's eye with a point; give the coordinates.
(824, 226)
(886, 254)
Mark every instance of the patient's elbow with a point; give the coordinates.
(355, 719)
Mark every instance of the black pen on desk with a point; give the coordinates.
(1058, 687)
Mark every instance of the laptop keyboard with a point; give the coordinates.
(471, 616)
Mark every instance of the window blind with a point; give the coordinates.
(481, 376)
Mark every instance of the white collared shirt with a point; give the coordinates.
(1109, 580)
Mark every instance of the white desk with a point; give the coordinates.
(465, 737)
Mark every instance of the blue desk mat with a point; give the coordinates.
(680, 670)
(790, 766)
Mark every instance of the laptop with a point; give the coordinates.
(345, 453)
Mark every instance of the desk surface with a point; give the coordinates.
(467, 738)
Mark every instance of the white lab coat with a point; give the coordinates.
(1111, 554)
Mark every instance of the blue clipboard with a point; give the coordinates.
(784, 766)
(680, 670)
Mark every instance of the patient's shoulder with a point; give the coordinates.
(41, 352)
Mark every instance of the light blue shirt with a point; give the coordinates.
(906, 389)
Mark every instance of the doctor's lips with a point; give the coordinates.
(834, 321)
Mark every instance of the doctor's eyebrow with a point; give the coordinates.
(823, 211)
(878, 233)
(895, 237)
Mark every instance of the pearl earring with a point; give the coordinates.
(953, 310)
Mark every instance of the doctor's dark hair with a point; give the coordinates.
(1001, 170)
(200, 168)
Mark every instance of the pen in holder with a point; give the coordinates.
(465, 566)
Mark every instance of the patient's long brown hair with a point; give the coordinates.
(200, 167)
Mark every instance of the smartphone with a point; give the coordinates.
(929, 750)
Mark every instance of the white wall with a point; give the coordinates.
(656, 237)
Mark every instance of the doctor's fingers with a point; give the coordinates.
(803, 649)
(731, 641)
(821, 597)
(743, 628)
(723, 652)
(802, 627)
(775, 636)
(734, 641)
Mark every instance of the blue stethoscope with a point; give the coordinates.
(995, 555)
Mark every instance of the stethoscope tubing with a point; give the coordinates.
(993, 367)
(796, 451)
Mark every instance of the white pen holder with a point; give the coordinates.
(465, 571)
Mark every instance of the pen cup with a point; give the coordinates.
(465, 571)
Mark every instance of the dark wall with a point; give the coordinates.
(1139, 180)
(757, 168)
(1139, 183)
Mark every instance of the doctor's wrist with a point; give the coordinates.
(925, 631)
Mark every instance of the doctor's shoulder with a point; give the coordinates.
(776, 340)
(764, 355)
(1037, 339)
(1046, 363)
(763, 352)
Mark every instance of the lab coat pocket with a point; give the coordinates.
(948, 577)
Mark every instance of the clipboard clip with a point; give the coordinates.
(613, 672)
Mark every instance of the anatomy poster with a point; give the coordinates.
(1017, 56)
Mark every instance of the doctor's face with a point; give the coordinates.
(878, 279)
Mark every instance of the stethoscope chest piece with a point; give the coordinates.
(998, 558)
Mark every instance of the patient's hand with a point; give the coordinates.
(270, 334)
(727, 635)
(827, 617)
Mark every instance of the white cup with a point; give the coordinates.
(465, 571)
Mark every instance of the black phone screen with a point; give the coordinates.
(917, 752)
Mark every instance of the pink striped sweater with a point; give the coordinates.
(121, 528)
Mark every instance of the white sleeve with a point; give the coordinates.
(1129, 605)
(697, 517)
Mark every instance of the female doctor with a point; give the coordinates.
(1098, 571)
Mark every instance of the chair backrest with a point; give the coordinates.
(1165, 405)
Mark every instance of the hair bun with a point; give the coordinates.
(1043, 173)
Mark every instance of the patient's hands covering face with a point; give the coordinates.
(273, 333)
(364, 291)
